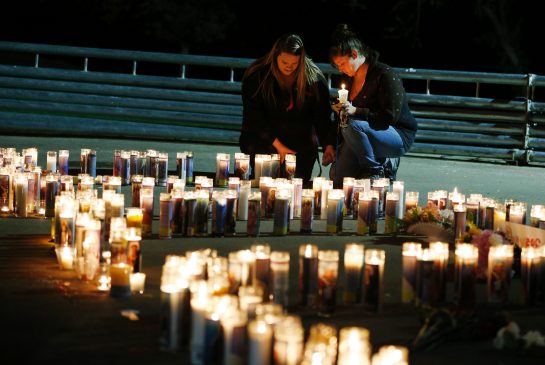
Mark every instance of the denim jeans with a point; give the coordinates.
(364, 150)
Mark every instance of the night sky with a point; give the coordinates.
(471, 35)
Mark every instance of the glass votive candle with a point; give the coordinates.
(328, 272)
(138, 280)
(374, 279)
(353, 266)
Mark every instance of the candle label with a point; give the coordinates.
(218, 217)
(254, 217)
(281, 217)
(408, 282)
(307, 208)
(231, 215)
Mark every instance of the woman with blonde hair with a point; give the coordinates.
(286, 106)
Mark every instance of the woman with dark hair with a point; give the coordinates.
(285, 101)
(376, 124)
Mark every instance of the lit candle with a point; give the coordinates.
(5, 190)
(328, 271)
(288, 341)
(391, 355)
(120, 280)
(327, 186)
(280, 266)
(231, 203)
(189, 213)
(367, 213)
(391, 212)
(21, 195)
(181, 161)
(529, 274)
(374, 279)
(65, 257)
(411, 200)
(472, 210)
(134, 254)
(410, 252)
(218, 213)
(275, 166)
(63, 162)
(259, 343)
(353, 266)
(291, 163)
(465, 274)
(249, 297)
(242, 209)
(460, 214)
(254, 214)
(51, 161)
(258, 170)
(380, 186)
(442, 196)
(425, 277)
(281, 213)
(134, 217)
(262, 254)
(343, 94)
(103, 279)
(161, 174)
(399, 188)
(235, 348)
(222, 169)
(199, 302)
(335, 202)
(517, 213)
(166, 207)
(440, 252)
(136, 184)
(354, 346)
(138, 281)
(297, 196)
(201, 211)
(146, 203)
(500, 262)
(348, 188)
(489, 208)
(308, 275)
(317, 187)
(359, 188)
(242, 166)
(189, 168)
(537, 211)
(307, 210)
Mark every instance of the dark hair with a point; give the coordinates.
(307, 72)
(343, 41)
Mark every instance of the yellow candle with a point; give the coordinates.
(120, 279)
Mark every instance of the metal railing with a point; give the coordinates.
(72, 89)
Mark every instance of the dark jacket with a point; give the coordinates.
(263, 121)
(383, 102)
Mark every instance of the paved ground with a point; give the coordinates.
(48, 314)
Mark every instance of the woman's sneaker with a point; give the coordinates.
(390, 167)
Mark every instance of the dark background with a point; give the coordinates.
(470, 35)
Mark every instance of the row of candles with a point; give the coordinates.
(281, 199)
(425, 272)
(241, 301)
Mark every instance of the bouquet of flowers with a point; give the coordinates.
(429, 221)
(483, 240)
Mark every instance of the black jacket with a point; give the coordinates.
(263, 121)
(383, 102)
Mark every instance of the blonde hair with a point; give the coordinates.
(307, 73)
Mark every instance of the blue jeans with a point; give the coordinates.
(364, 150)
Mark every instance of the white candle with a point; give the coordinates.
(327, 186)
(399, 188)
(138, 280)
(353, 264)
(343, 94)
(244, 194)
(52, 161)
(259, 343)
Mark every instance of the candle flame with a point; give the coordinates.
(342, 86)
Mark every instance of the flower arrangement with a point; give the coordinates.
(483, 240)
(509, 337)
(429, 221)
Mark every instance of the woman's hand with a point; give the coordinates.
(349, 108)
(282, 149)
(329, 155)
